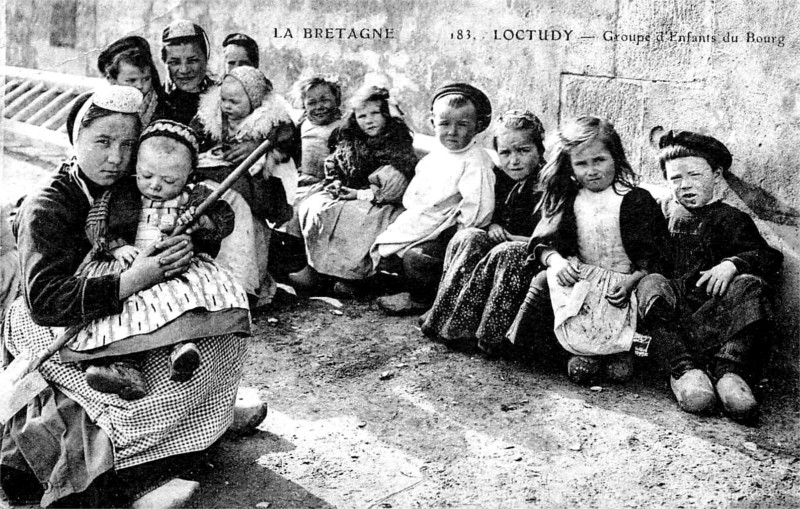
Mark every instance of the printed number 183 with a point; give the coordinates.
(461, 34)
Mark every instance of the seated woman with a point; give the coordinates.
(185, 52)
(485, 275)
(366, 177)
(128, 62)
(71, 435)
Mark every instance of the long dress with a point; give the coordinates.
(339, 234)
(484, 282)
(70, 434)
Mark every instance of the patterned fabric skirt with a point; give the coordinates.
(204, 286)
(482, 287)
(339, 234)
(173, 418)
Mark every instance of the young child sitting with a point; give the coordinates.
(365, 178)
(712, 318)
(321, 99)
(235, 119)
(485, 275)
(120, 225)
(598, 237)
(453, 188)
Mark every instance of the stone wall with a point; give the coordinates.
(668, 63)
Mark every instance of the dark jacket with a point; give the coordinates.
(514, 204)
(705, 237)
(52, 244)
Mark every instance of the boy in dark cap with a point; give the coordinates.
(710, 321)
(453, 188)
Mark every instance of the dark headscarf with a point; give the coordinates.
(245, 41)
(707, 147)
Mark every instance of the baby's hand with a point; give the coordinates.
(187, 216)
(125, 255)
(566, 273)
(717, 278)
(497, 233)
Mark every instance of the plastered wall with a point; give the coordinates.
(641, 63)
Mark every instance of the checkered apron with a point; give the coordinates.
(174, 418)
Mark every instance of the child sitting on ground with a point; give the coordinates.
(453, 188)
(238, 116)
(598, 237)
(365, 178)
(485, 275)
(712, 317)
(120, 225)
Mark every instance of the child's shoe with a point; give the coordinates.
(346, 289)
(305, 279)
(694, 392)
(183, 361)
(401, 304)
(121, 378)
(736, 397)
(619, 367)
(582, 369)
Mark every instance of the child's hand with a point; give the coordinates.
(566, 273)
(239, 152)
(717, 278)
(334, 188)
(619, 294)
(497, 233)
(347, 193)
(203, 221)
(125, 255)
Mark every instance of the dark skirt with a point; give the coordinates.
(482, 287)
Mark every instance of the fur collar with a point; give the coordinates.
(258, 125)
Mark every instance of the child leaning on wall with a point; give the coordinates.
(710, 321)
(453, 189)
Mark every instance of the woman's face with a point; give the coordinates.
(235, 56)
(370, 118)
(105, 147)
(519, 157)
(132, 76)
(187, 65)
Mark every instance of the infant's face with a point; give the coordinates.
(692, 181)
(320, 105)
(132, 76)
(161, 174)
(370, 118)
(454, 127)
(233, 100)
(519, 157)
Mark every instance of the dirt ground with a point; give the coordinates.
(365, 412)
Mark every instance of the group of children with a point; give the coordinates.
(505, 254)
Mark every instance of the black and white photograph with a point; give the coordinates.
(412, 254)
